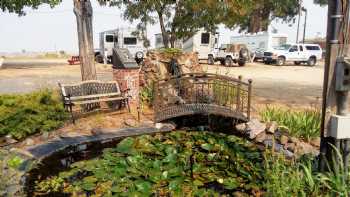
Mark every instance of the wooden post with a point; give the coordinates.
(83, 13)
(334, 102)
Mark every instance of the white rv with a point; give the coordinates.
(260, 42)
(159, 42)
(202, 42)
(118, 38)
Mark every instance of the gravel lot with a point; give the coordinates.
(287, 85)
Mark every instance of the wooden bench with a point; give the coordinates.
(90, 94)
(74, 60)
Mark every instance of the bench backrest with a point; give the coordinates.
(89, 88)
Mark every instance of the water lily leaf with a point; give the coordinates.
(89, 183)
(207, 147)
(126, 146)
(143, 186)
(198, 182)
(171, 158)
(230, 183)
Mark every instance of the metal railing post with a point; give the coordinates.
(238, 93)
(250, 89)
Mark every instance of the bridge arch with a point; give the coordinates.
(202, 94)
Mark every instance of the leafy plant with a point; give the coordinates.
(26, 114)
(300, 123)
(196, 163)
(14, 162)
(146, 95)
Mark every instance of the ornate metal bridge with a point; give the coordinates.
(207, 94)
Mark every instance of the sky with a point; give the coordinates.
(47, 29)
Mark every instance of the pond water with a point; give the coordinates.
(173, 164)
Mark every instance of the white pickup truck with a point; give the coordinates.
(297, 53)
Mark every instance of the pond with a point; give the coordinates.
(173, 164)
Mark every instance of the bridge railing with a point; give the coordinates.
(200, 92)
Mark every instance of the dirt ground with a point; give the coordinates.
(288, 85)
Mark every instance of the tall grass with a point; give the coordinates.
(301, 178)
(299, 123)
(26, 114)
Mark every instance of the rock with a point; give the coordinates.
(294, 140)
(315, 141)
(261, 137)
(29, 142)
(284, 139)
(288, 153)
(241, 128)
(45, 136)
(272, 127)
(165, 126)
(130, 122)
(147, 123)
(303, 148)
(255, 127)
(10, 140)
(290, 147)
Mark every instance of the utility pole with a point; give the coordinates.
(299, 12)
(335, 119)
(304, 10)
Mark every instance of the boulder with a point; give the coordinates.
(261, 137)
(284, 139)
(290, 147)
(272, 127)
(255, 127)
(316, 141)
(29, 142)
(10, 140)
(303, 148)
(241, 128)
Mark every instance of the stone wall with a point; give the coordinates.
(156, 66)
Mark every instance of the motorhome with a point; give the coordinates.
(201, 42)
(119, 38)
(260, 42)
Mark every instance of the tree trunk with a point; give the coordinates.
(83, 13)
(163, 30)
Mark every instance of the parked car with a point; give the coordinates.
(228, 54)
(297, 53)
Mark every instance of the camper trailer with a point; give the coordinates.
(260, 42)
(118, 38)
(202, 42)
(159, 42)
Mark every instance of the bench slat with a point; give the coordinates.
(74, 98)
(98, 100)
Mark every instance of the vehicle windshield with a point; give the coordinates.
(283, 47)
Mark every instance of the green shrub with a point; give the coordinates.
(27, 114)
(300, 123)
(171, 52)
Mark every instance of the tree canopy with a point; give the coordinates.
(17, 6)
(182, 18)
